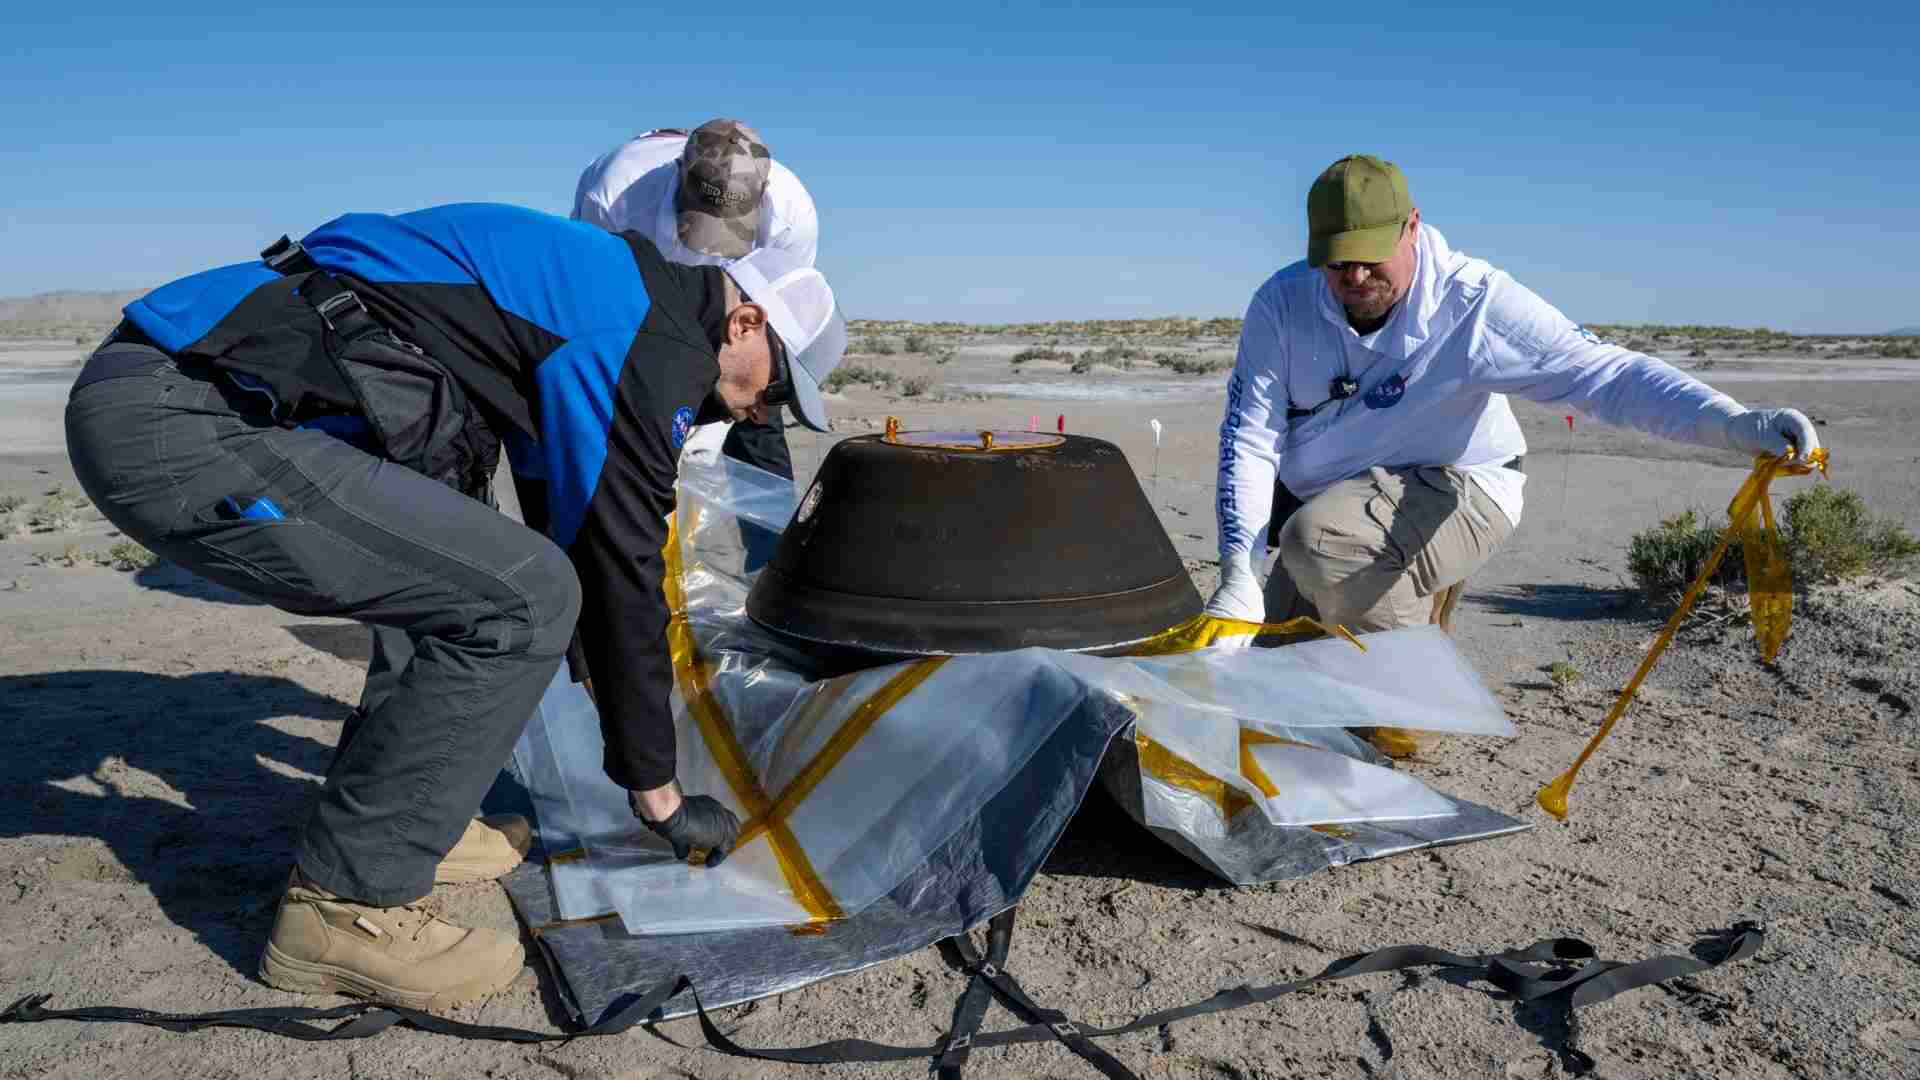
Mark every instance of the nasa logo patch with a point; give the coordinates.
(682, 426)
(1387, 394)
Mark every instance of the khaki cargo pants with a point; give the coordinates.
(1373, 552)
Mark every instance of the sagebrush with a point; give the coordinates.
(1041, 352)
(851, 374)
(1832, 535)
(1829, 534)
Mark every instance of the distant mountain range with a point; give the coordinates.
(67, 306)
(1905, 331)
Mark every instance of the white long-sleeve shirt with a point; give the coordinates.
(1432, 387)
(632, 187)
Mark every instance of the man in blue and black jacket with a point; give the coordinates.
(318, 429)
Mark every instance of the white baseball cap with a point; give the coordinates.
(808, 332)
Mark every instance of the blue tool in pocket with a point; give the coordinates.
(258, 509)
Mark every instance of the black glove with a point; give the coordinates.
(700, 822)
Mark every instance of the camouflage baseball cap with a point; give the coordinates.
(1355, 211)
(723, 173)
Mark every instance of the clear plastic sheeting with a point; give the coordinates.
(847, 786)
(1414, 675)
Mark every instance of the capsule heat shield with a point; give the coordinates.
(950, 543)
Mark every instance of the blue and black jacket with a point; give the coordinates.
(588, 354)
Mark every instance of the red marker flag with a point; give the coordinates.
(1061, 423)
(1569, 421)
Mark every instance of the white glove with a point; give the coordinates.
(1771, 432)
(1239, 595)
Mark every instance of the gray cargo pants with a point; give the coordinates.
(487, 605)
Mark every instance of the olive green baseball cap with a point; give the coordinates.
(1355, 211)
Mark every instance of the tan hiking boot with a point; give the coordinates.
(1397, 743)
(491, 847)
(405, 955)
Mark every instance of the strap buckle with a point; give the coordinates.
(338, 305)
(987, 969)
(1065, 1029)
(287, 256)
(958, 1044)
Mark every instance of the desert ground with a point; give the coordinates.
(161, 740)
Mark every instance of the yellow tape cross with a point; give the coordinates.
(851, 730)
(693, 678)
(768, 815)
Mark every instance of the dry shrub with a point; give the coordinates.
(856, 374)
(1829, 533)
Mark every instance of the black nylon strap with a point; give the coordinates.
(990, 975)
(339, 307)
(971, 1010)
(1057, 1024)
(362, 1019)
(1539, 971)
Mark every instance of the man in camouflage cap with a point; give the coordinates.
(723, 175)
(705, 198)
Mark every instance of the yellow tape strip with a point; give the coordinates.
(798, 730)
(1769, 580)
(1250, 768)
(1170, 768)
(857, 724)
(729, 757)
(1204, 630)
(1250, 765)
(558, 924)
(1740, 513)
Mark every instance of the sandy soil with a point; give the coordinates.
(162, 738)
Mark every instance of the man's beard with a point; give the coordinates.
(1373, 307)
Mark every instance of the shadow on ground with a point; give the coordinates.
(1572, 602)
(184, 778)
(1103, 841)
(167, 577)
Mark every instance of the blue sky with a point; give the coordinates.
(1657, 162)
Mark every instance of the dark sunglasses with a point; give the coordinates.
(779, 389)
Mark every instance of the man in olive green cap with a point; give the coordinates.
(1367, 435)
